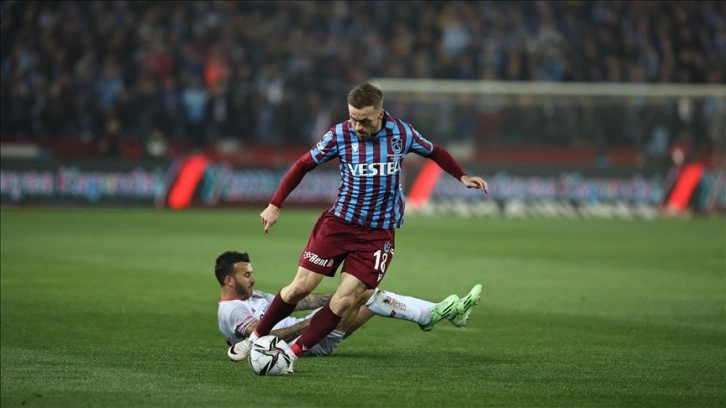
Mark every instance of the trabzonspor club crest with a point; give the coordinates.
(396, 145)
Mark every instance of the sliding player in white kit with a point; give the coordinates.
(241, 308)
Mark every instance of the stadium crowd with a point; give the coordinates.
(273, 72)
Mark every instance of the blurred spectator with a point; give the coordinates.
(194, 100)
(212, 69)
(108, 144)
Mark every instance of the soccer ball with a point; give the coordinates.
(269, 356)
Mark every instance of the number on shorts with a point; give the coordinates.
(381, 259)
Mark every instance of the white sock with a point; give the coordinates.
(389, 304)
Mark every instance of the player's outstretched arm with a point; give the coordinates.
(475, 182)
(443, 158)
(292, 332)
(314, 301)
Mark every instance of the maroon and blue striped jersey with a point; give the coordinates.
(370, 191)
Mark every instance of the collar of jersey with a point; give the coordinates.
(389, 125)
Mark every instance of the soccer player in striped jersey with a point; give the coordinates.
(241, 307)
(358, 230)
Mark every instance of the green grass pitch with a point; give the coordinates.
(117, 308)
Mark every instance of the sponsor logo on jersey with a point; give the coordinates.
(355, 147)
(315, 259)
(374, 169)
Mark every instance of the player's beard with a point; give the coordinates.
(242, 292)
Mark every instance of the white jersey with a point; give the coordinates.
(235, 315)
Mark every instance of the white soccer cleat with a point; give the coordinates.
(240, 351)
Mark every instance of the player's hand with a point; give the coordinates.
(269, 217)
(475, 182)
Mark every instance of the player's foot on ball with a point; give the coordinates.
(239, 351)
(465, 305)
(441, 311)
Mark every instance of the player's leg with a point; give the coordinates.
(326, 346)
(320, 338)
(365, 252)
(302, 285)
(367, 260)
(321, 257)
(353, 318)
(426, 314)
(358, 315)
(364, 314)
(329, 316)
(282, 305)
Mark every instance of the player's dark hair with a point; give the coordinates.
(224, 266)
(365, 95)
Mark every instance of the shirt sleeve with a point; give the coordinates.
(420, 145)
(326, 149)
(441, 157)
(423, 147)
(239, 319)
(292, 179)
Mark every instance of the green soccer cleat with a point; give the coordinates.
(464, 306)
(440, 311)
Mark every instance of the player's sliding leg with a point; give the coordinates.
(465, 305)
(282, 305)
(422, 312)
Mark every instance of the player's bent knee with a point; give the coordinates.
(340, 304)
(304, 284)
(293, 293)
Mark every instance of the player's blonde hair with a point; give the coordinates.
(365, 95)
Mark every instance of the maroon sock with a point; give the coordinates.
(277, 311)
(322, 323)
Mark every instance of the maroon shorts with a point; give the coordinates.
(365, 253)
